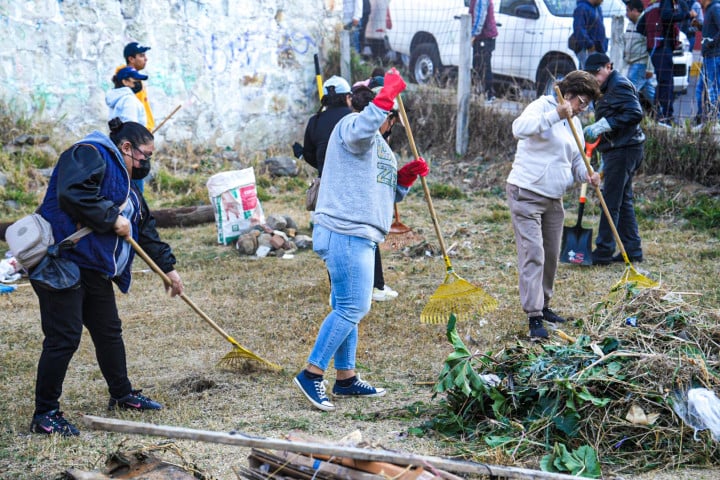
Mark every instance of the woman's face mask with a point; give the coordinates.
(138, 173)
(137, 86)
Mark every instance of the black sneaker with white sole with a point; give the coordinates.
(552, 317)
(537, 330)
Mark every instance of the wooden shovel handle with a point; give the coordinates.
(590, 170)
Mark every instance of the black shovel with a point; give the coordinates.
(576, 247)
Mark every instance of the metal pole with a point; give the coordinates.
(345, 71)
(463, 89)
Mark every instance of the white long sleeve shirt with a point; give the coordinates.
(547, 160)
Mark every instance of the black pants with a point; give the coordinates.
(379, 281)
(619, 167)
(482, 56)
(63, 315)
(662, 59)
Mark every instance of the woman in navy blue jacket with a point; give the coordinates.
(90, 187)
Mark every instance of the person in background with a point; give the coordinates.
(90, 187)
(367, 7)
(710, 72)
(618, 113)
(135, 57)
(589, 29)
(122, 101)
(352, 16)
(660, 27)
(360, 170)
(484, 31)
(547, 163)
(640, 70)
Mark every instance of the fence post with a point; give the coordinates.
(463, 88)
(617, 29)
(345, 55)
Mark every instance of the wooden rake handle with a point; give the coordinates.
(138, 249)
(590, 170)
(428, 198)
(166, 119)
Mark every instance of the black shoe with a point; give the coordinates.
(633, 259)
(552, 317)
(134, 401)
(537, 331)
(53, 422)
(598, 259)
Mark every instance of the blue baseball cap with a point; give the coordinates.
(130, 72)
(133, 48)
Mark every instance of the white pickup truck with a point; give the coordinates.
(531, 49)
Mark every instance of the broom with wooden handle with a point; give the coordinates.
(455, 295)
(630, 275)
(234, 358)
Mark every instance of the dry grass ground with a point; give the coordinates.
(274, 307)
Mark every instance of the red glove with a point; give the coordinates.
(407, 175)
(394, 84)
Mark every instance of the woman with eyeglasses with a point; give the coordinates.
(547, 163)
(90, 187)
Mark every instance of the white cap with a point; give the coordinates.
(340, 84)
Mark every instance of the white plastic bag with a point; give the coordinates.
(700, 409)
(237, 209)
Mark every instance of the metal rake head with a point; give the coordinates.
(459, 297)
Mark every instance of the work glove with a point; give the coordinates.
(596, 129)
(394, 84)
(407, 175)
(297, 150)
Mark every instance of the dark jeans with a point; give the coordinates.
(63, 315)
(664, 95)
(482, 56)
(619, 167)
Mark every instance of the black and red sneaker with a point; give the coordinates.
(53, 422)
(134, 401)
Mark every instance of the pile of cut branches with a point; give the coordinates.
(606, 399)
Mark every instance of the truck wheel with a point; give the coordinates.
(425, 64)
(553, 71)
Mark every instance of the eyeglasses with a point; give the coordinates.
(146, 156)
(583, 102)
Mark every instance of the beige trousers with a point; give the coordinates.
(538, 225)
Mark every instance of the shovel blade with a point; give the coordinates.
(576, 247)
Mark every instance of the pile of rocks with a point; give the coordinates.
(277, 237)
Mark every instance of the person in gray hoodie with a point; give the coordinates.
(360, 184)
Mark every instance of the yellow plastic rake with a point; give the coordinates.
(234, 358)
(455, 295)
(630, 275)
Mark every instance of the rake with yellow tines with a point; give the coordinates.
(630, 275)
(455, 295)
(234, 359)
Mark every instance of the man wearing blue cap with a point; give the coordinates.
(135, 57)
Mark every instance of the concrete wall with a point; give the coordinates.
(242, 70)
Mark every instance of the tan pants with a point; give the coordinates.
(538, 224)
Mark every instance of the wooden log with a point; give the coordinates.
(242, 440)
(164, 217)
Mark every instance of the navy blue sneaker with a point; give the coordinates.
(314, 390)
(359, 388)
(537, 330)
(53, 422)
(552, 317)
(134, 401)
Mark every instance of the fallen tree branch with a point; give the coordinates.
(242, 440)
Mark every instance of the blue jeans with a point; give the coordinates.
(710, 81)
(351, 264)
(636, 74)
(619, 167)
